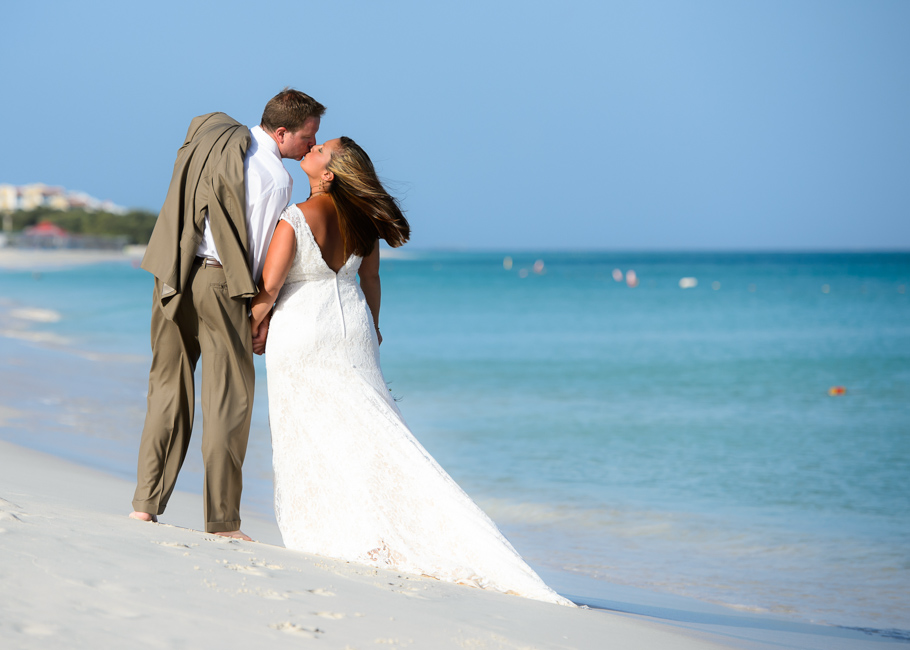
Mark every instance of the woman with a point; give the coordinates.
(351, 481)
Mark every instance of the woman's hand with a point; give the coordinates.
(260, 334)
(275, 269)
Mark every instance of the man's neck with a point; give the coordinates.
(269, 133)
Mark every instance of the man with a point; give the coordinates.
(206, 252)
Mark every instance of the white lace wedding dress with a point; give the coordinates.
(351, 481)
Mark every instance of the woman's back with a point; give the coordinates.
(321, 217)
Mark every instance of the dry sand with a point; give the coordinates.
(77, 573)
(36, 260)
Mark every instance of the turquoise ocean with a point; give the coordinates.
(681, 441)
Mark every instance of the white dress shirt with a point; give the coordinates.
(268, 192)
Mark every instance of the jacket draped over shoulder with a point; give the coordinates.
(207, 179)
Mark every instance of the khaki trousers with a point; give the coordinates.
(209, 323)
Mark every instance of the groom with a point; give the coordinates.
(206, 252)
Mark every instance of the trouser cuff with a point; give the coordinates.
(148, 507)
(222, 526)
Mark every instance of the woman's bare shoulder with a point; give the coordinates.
(317, 210)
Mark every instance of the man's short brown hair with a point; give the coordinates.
(290, 108)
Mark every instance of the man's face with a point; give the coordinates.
(297, 144)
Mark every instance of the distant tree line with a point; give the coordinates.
(136, 225)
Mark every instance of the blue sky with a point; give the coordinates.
(646, 125)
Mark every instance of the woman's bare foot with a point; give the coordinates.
(236, 534)
(143, 516)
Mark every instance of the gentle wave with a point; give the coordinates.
(36, 315)
(36, 337)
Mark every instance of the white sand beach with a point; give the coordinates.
(36, 260)
(77, 573)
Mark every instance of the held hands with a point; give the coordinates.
(260, 334)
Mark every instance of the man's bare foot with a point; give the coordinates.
(143, 516)
(236, 534)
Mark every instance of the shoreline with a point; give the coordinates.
(36, 260)
(76, 568)
(46, 259)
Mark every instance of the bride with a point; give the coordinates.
(351, 481)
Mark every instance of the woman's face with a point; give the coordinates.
(317, 160)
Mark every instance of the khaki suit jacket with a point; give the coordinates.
(207, 179)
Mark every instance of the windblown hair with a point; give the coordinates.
(290, 108)
(366, 212)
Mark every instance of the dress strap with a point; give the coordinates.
(293, 216)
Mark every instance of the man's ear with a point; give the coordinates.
(280, 132)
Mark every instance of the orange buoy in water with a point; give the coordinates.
(837, 390)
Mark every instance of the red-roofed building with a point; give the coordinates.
(45, 235)
(46, 229)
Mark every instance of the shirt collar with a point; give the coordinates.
(265, 141)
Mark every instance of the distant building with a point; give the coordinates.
(44, 235)
(8, 198)
(50, 235)
(28, 197)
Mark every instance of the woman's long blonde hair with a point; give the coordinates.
(366, 212)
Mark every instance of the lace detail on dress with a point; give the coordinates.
(351, 481)
(311, 265)
(384, 556)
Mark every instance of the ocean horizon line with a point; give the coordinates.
(652, 250)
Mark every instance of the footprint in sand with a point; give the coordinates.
(174, 544)
(271, 594)
(266, 565)
(7, 513)
(293, 628)
(319, 591)
(333, 615)
(248, 570)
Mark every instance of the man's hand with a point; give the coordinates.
(261, 335)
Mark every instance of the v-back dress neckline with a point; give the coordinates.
(312, 239)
